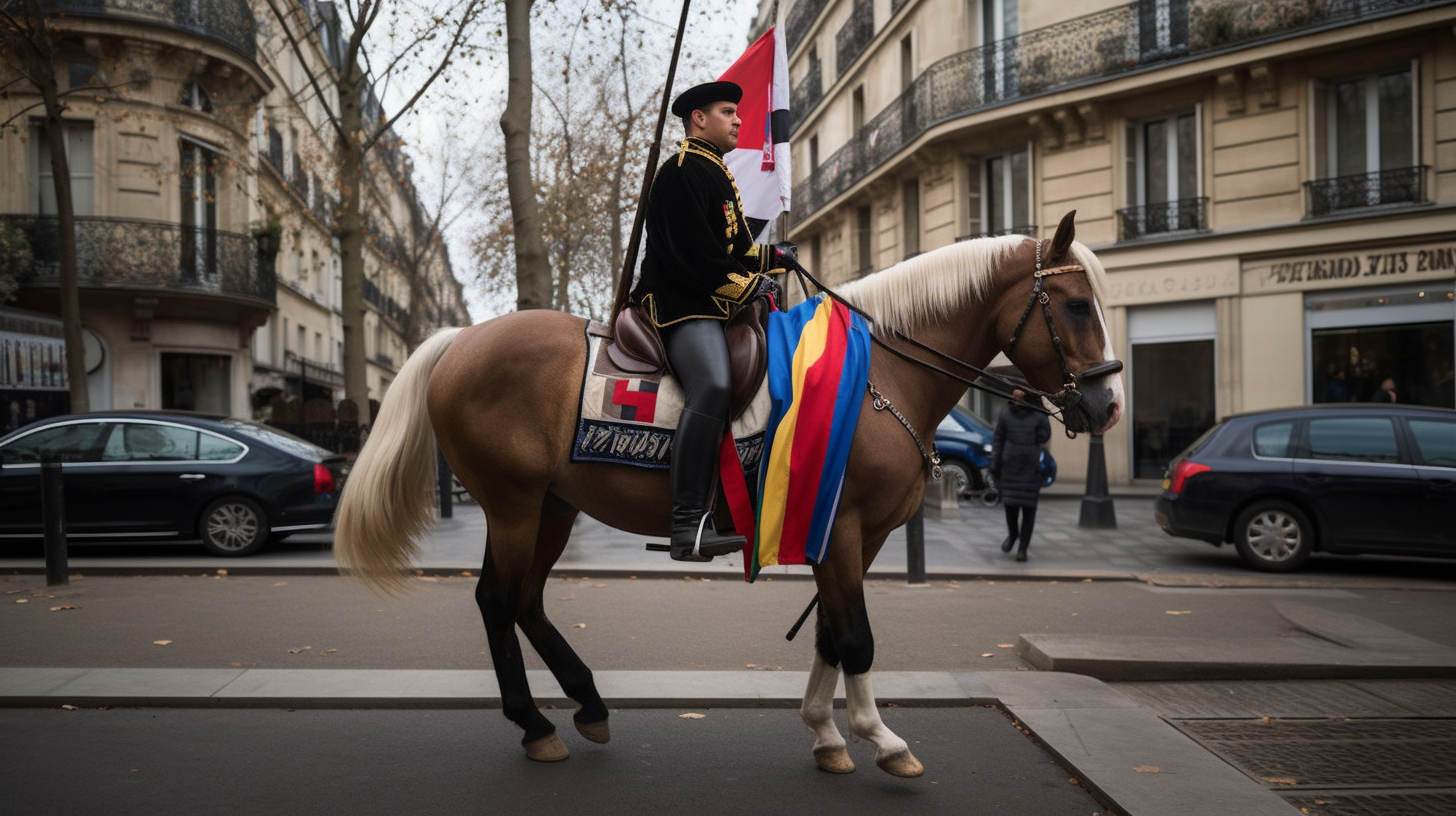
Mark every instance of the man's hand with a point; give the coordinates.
(785, 255)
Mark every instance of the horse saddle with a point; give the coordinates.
(636, 348)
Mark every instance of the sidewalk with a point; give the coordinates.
(1027, 638)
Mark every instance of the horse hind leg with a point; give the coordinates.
(498, 594)
(571, 673)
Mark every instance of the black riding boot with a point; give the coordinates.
(694, 466)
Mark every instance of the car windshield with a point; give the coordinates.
(283, 441)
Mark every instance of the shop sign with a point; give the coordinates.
(1192, 282)
(1354, 268)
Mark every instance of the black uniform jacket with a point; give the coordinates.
(700, 260)
(1016, 455)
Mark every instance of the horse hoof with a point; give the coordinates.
(549, 748)
(834, 759)
(595, 731)
(902, 763)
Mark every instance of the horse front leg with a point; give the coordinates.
(817, 711)
(845, 638)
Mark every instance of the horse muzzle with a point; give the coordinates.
(1092, 409)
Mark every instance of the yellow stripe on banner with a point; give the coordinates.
(776, 483)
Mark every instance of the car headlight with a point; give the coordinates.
(986, 449)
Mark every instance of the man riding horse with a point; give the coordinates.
(700, 264)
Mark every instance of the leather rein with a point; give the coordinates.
(1068, 397)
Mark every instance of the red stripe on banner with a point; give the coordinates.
(811, 444)
(753, 72)
(644, 401)
(740, 505)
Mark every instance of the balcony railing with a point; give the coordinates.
(132, 253)
(801, 19)
(855, 35)
(810, 89)
(1089, 48)
(386, 305)
(1406, 185)
(1184, 215)
(229, 22)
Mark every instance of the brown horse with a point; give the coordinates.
(501, 398)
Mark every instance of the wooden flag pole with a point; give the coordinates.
(629, 265)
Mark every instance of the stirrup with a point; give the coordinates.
(700, 550)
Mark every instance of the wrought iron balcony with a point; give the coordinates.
(387, 306)
(1088, 48)
(810, 89)
(1184, 215)
(801, 18)
(133, 253)
(229, 22)
(1406, 185)
(855, 35)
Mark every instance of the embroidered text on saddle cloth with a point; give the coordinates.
(629, 419)
(818, 366)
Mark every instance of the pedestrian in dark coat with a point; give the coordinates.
(1016, 468)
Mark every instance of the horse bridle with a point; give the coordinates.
(1066, 399)
(1070, 396)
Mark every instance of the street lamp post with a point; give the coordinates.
(1097, 509)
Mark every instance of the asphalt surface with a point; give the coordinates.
(1110, 673)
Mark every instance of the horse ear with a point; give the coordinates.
(1062, 241)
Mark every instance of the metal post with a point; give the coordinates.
(53, 514)
(1097, 509)
(447, 482)
(915, 547)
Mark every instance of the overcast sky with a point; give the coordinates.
(708, 49)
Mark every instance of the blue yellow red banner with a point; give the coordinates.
(819, 362)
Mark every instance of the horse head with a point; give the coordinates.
(1053, 330)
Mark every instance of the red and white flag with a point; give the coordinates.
(761, 164)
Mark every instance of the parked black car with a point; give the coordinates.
(169, 475)
(1336, 478)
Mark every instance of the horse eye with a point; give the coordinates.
(1079, 308)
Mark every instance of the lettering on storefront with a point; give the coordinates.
(1352, 268)
(1143, 287)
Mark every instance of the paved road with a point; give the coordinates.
(215, 657)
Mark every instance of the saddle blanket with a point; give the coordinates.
(630, 419)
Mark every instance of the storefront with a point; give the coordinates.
(33, 382)
(1371, 315)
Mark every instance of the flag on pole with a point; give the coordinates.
(760, 164)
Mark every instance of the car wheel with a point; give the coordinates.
(958, 474)
(234, 527)
(1274, 536)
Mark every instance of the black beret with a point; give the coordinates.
(703, 95)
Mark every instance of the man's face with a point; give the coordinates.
(719, 124)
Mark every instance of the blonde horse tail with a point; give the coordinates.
(389, 500)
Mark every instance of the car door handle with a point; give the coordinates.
(1314, 477)
(192, 477)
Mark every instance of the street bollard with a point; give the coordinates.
(446, 481)
(53, 515)
(915, 547)
(1097, 509)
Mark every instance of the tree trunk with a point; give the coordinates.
(533, 268)
(70, 290)
(350, 231)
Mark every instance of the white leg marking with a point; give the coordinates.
(891, 754)
(817, 711)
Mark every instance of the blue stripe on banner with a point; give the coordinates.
(846, 419)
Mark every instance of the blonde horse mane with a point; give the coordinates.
(930, 287)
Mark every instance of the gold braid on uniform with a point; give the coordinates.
(695, 146)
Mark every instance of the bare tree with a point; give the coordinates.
(29, 42)
(359, 125)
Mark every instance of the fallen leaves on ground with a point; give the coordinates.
(691, 715)
(300, 650)
(63, 608)
(1179, 612)
(161, 643)
(1148, 769)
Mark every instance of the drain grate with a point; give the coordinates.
(1290, 754)
(1397, 803)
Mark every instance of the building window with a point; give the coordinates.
(857, 110)
(1163, 27)
(907, 63)
(1359, 339)
(78, 140)
(198, 219)
(197, 382)
(1368, 144)
(910, 216)
(999, 26)
(1163, 177)
(1172, 376)
(999, 195)
(864, 245)
(196, 98)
